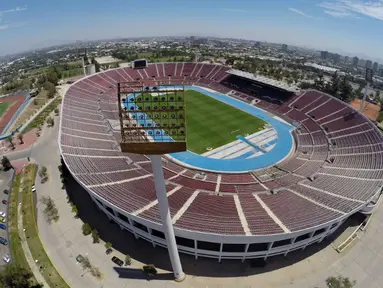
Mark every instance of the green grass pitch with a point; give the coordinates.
(3, 107)
(211, 123)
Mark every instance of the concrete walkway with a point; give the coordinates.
(27, 252)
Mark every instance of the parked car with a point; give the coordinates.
(6, 191)
(4, 202)
(3, 214)
(2, 219)
(2, 226)
(118, 261)
(6, 258)
(33, 188)
(3, 241)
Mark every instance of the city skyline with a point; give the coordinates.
(25, 26)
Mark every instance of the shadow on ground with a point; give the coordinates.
(144, 251)
(133, 273)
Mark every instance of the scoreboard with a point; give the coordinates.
(139, 63)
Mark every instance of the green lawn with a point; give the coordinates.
(4, 106)
(212, 123)
(51, 276)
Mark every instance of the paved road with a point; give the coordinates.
(5, 179)
(64, 241)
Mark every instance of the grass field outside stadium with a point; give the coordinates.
(210, 123)
(3, 107)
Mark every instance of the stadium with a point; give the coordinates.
(269, 170)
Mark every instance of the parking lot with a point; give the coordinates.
(5, 181)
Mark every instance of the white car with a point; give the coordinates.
(3, 214)
(6, 258)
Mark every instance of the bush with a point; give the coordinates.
(128, 260)
(57, 111)
(86, 263)
(86, 229)
(95, 236)
(95, 272)
(150, 269)
(339, 282)
(50, 122)
(51, 213)
(108, 245)
(74, 210)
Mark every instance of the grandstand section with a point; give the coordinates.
(333, 168)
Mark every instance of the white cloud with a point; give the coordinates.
(4, 27)
(299, 12)
(17, 9)
(350, 8)
(233, 10)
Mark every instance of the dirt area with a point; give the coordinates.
(371, 111)
(29, 138)
(35, 103)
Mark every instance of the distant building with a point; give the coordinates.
(324, 54)
(335, 57)
(346, 59)
(380, 72)
(375, 67)
(284, 47)
(355, 61)
(362, 62)
(368, 64)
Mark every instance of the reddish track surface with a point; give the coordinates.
(11, 110)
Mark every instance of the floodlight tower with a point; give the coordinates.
(368, 76)
(152, 121)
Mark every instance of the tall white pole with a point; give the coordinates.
(364, 99)
(163, 204)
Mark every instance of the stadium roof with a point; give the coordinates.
(265, 80)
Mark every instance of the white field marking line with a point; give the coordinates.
(120, 182)
(153, 203)
(185, 207)
(242, 216)
(271, 214)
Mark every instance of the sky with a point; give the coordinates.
(342, 26)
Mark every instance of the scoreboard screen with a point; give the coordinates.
(140, 63)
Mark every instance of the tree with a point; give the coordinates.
(50, 121)
(57, 111)
(75, 210)
(150, 269)
(339, 282)
(108, 245)
(6, 163)
(10, 140)
(43, 174)
(95, 236)
(51, 89)
(128, 260)
(50, 211)
(345, 91)
(86, 229)
(15, 276)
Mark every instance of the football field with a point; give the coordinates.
(210, 123)
(4, 106)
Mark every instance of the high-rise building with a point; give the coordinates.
(346, 59)
(380, 72)
(335, 57)
(362, 62)
(284, 47)
(355, 61)
(375, 67)
(368, 64)
(324, 54)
